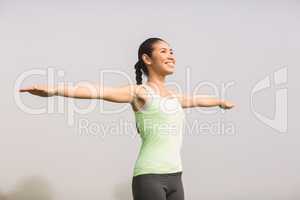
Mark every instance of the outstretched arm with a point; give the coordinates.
(203, 101)
(123, 94)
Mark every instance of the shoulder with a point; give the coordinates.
(176, 94)
(140, 91)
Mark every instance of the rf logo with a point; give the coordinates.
(280, 120)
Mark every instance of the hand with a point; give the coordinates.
(40, 90)
(226, 105)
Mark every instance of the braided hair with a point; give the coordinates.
(145, 48)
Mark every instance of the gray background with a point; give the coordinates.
(43, 157)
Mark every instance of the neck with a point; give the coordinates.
(158, 81)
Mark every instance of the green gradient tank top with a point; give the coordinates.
(160, 124)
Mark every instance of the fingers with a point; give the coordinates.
(227, 105)
(231, 105)
(27, 89)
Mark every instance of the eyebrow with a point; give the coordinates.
(166, 48)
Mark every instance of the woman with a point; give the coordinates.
(159, 119)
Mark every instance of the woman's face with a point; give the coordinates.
(162, 60)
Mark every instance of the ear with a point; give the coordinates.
(147, 60)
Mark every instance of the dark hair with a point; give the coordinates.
(145, 48)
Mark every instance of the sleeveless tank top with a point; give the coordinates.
(160, 125)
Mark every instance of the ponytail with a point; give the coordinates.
(140, 67)
(138, 73)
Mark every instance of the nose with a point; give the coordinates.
(171, 57)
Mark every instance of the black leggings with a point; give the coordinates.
(158, 187)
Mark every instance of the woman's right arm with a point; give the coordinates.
(122, 94)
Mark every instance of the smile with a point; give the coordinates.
(170, 63)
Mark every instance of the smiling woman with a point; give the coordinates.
(158, 56)
(159, 119)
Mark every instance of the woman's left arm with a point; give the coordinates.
(188, 101)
